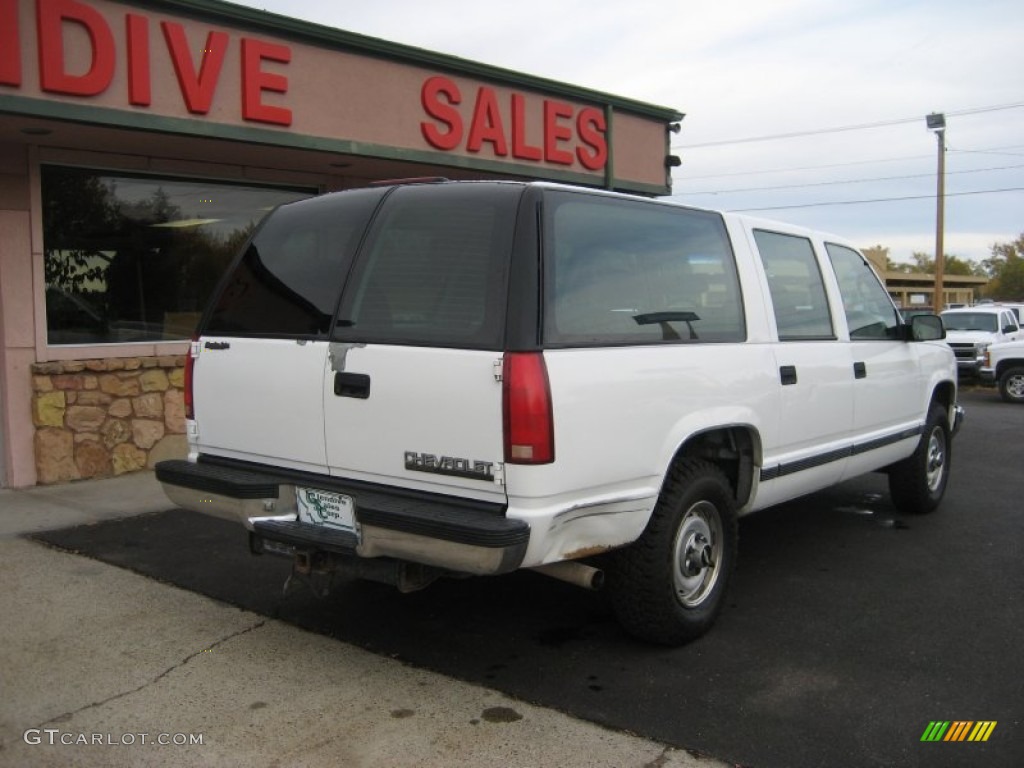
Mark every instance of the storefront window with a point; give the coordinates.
(135, 258)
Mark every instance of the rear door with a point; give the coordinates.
(258, 375)
(411, 392)
(814, 368)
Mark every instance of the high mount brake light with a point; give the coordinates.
(529, 428)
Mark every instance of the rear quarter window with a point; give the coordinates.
(629, 272)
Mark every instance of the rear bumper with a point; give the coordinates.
(446, 532)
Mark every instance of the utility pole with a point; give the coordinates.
(936, 121)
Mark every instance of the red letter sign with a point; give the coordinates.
(520, 149)
(196, 89)
(10, 48)
(487, 123)
(590, 126)
(255, 81)
(137, 30)
(50, 16)
(430, 96)
(554, 132)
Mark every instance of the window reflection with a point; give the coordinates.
(134, 259)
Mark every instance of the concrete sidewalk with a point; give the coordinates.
(46, 507)
(100, 665)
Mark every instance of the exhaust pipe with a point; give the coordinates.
(574, 573)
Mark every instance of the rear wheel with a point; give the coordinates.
(1011, 385)
(668, 586)
(918, 483)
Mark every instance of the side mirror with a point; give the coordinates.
(927, 328)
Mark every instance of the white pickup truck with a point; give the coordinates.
(971, 330)
(416, 380)
(1004, 366)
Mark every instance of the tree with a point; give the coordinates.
(75, 207)
(953, 265)
(1006, 268)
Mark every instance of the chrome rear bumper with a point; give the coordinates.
(453, 534)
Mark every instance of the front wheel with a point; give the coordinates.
(918, 483)
(668, 586)
(1011, 385)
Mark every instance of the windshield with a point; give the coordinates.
(970, 321)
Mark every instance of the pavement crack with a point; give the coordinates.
(660, 760)
(69, 715)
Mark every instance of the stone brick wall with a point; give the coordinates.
(97, 418)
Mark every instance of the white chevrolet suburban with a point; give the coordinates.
(415, 380)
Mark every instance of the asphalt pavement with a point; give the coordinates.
(849, 629)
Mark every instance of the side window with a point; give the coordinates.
(798, 291)
(870, 313)
(629, 272)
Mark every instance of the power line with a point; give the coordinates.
(989, 151)
(805, 168)
(843, 181)
(844, 128)
(877, 200)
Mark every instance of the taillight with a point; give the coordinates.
(526, 403)
(190, 362)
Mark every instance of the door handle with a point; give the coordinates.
(860, 371)
(355, 385)
(787, 374)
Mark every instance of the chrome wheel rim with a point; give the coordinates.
(697, 554)
(936, 459)
(1015, 386)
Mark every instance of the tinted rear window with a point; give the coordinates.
(629, 272)
(435, 268)
(290, 277)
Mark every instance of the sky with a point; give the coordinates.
(743, 70)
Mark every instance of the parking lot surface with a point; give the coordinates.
(848, 630)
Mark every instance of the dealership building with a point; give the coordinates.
(142, 141)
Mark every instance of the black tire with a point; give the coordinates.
(1011, 385)
(667, 587)
(918, 483)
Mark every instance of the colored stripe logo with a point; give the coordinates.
(958, 730)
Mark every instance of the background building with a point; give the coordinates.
(917, 289)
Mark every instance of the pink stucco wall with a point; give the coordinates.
(17, 322)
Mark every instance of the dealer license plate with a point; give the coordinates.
(326, 508)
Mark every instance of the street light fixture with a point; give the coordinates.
(936, 121)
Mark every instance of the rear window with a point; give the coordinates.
(629, 272)
(289, 279)
(435, 268)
